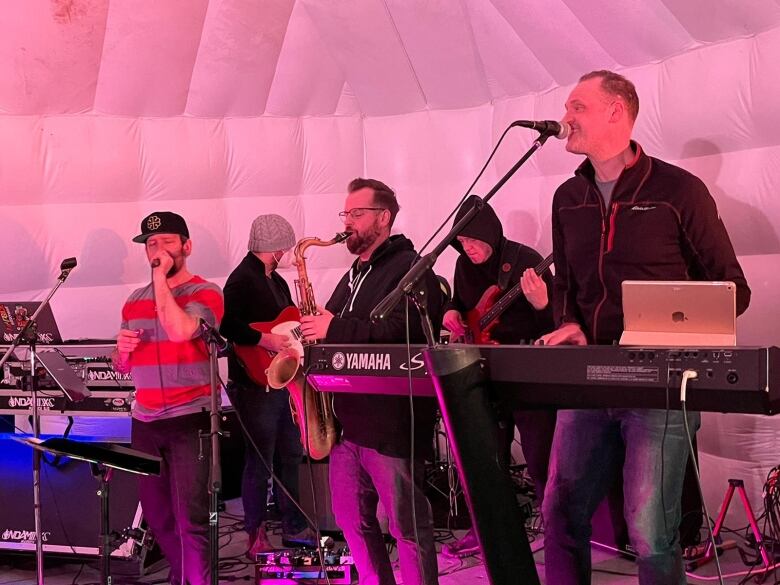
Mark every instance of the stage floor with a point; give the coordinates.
(609, 568)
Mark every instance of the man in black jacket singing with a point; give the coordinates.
(376, 460)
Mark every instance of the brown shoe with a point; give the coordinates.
(464, 547)
(259, 544)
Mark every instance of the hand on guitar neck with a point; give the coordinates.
(480, 320)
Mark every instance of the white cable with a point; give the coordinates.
(686, 375)
(692, 375)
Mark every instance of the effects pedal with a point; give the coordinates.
(303, 566)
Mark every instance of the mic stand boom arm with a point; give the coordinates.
(408, 283)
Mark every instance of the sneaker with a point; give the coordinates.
(258, 544)
(466, 546)
(306, 538)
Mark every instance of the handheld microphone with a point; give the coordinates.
(559, 130)
(155, 263)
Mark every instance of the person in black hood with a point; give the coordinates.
(488, 259)
(373, 460)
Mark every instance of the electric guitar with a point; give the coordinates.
(256, 359)
(484, 317)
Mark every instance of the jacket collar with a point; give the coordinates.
(630, 178)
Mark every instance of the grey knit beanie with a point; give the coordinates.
(270, 233)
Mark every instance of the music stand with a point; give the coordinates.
(102, 460)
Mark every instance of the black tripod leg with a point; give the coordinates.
(103, 474)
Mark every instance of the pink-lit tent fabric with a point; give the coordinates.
(225, 109)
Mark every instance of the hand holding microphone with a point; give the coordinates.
(163, 260)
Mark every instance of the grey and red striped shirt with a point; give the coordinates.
(171, 378)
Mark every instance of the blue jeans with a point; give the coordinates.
(268, 422)
(585, 459)
(361, 477)
(176, 504)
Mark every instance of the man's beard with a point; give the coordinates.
(178, 264)
(358, 242)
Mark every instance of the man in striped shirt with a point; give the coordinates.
(160, 343)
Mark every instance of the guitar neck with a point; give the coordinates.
(509, 297)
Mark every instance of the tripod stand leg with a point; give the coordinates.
(753, 524)
(37, 511)
(103, 474)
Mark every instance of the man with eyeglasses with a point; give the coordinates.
(376, 458)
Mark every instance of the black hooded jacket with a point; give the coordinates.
(520, 322)
(372, 420)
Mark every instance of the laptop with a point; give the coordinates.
(679, 313)
(61, 372)
(14, 316)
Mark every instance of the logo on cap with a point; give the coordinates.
(153, 223)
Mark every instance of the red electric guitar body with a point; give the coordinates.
(256, 359)
(484, 317)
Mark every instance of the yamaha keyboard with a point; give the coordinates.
(733, 379)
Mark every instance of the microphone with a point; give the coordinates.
(211, 335)
(65, 267)
(155, 263)
(68, 264)
(559, 130)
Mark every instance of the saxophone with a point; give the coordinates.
(312, 411)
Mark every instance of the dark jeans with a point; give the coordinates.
(359, 479)
(176, 504)
(268, 423)
(584, 461)
(536, 428)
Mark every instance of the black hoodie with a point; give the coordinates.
(371, 420)
(520, 322)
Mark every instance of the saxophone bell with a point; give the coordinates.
(283, 368)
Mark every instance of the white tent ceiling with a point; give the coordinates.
(225, 109)
(228, 58)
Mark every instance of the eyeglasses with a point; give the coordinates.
(357, 212)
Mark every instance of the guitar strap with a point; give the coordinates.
(508, 264)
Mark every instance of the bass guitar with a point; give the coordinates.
(484, 317)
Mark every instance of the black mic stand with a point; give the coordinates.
(29, 334)
(463, 389)
(213, 343)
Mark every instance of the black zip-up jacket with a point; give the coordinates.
(520, 323)
(250, 296)
(662, 224)
(372, 420)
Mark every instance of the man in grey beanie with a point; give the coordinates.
(255, 292)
